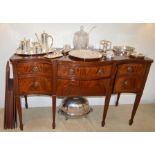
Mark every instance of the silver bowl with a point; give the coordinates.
(74, 107)
(123, 50)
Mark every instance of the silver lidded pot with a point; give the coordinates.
(74, 107)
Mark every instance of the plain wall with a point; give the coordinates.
(140, 36)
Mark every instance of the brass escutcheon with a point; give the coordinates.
(129, 69)
(35, 69)
(71, 71)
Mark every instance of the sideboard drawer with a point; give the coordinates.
(128, 84)
(97, 71)
(91, 72)
(131, 68)
(34, 68)
(68, 71)
(35, 85)
(82, 87)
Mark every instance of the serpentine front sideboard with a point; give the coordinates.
(64, 76)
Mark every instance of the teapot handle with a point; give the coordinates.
(49, 36)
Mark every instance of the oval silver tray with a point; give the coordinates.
(40, 54)
(34, 54)
(85, 54)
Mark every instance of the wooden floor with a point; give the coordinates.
(39, 119)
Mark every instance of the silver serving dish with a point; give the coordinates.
(85, 54)
(123, 50)
(74, 107)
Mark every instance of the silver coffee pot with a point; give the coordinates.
(44, 41)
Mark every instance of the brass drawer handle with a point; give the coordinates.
(129, 69)
(125, 82)
(71, 71)
(36, 84)
(35, 69)
(100, 72)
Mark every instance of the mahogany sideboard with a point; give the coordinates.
(64, 76)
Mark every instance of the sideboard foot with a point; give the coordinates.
(53, 110)
(136, 104)
(53, 125)
(26, 104)
(130, 122)
(117, 101)
(21, 127)
(103, 124)
(106, 105)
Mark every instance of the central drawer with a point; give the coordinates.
(91, 72)
(35, 85)
(34, 68)
(82, 87)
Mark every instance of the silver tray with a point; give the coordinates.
(85, 54)
(54, 55)
(34, 54)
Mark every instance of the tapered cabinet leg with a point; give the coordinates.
(136, 104)
(53, 110)
(117, 101)
(106, 105)
(19, 110)
(26, 104)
